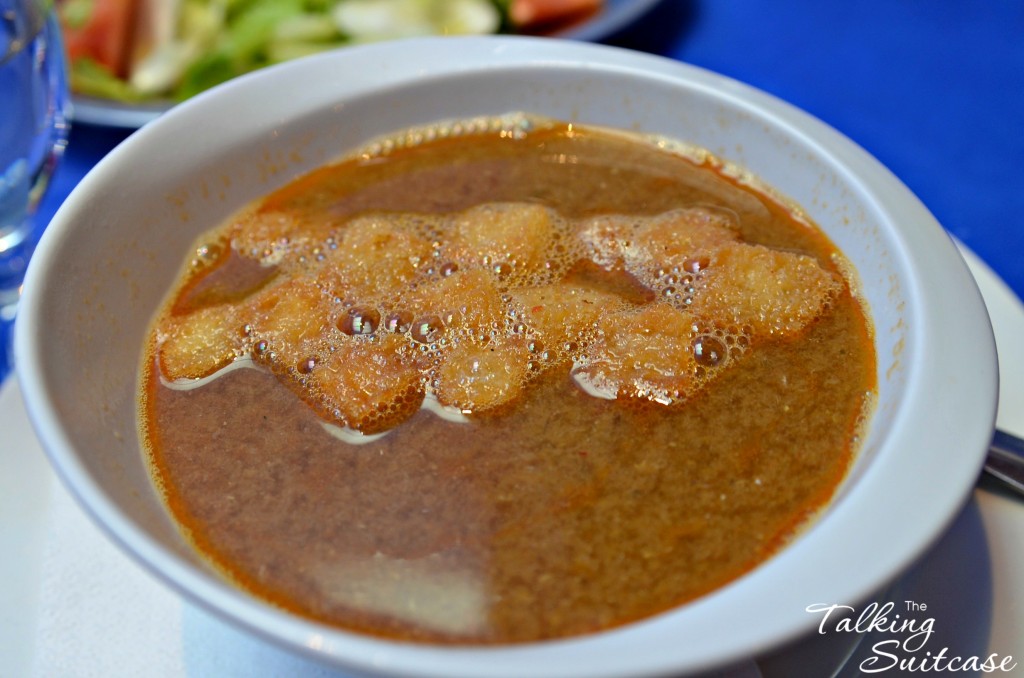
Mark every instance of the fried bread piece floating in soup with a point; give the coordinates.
(641, 245)
(480, 375)
(512, 239)
(642, 353)
(770, 291)
(377, 255)
(200, 343)
(368, 385)
(562, 318)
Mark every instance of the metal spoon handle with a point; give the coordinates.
(1005, 460)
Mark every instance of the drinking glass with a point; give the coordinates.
(33, 130)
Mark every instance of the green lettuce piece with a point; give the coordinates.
(91, 79)
(249, 32)
(76, 13)
(205, 72)
(240, 47)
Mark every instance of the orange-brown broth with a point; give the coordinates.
(560, 515)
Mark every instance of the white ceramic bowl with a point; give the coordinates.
(114, 248)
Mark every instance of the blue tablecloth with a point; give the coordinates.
(933, 89)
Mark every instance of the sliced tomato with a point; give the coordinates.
(102, 32)
(533, 14)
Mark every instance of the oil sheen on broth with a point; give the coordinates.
(505, 380)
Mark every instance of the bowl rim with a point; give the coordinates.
(915, 507)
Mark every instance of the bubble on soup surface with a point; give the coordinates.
(643, 353)
(207, 255)
(398, 321)
(709, 351)
(771, 291)
(426, 329)
(359, 320)
(695, 264)
(502, 269)
(200, 343)
(476, 376)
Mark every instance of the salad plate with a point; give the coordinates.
(614, 16)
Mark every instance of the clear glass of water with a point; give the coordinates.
(33, 130)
